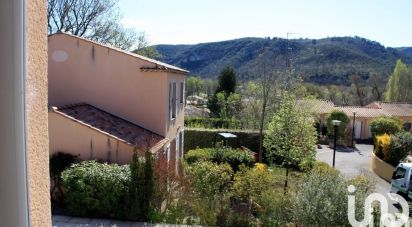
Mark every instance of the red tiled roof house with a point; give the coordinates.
(104, 102)
(363, 114)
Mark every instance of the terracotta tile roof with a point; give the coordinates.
(394, 109)
(159, 66)
(318, 106)
(361, 111)
(112, 125)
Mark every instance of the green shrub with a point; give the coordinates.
(341, 116)
(399, 147)
(58, 163)
(211, 183)
(321, 198)
(247, 139)
(94, 189)
(211, 123)
(388, 125)
(234, 157)
(249, 185)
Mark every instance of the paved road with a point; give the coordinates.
(66, 221)
(352, 162)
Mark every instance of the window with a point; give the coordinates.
(181, 139)
(170, 101)
(174, 101)
(399, 173)
(182, 93)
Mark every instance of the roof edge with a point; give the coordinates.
(175, 69)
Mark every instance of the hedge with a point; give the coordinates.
(212, 123)
(388, 125)
(233, 157)
(204, 138)
(96, 190)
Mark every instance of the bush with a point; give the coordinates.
(388, 125)
(211, 123)
(247, 139)
(234, 157)
(321, 198)
(382, 143)
(341, 116)
(58, 163)
(211, 183)
(393, 148)
(96, 190)
(249, 185)
(399, 148)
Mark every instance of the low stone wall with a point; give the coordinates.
(381, 168)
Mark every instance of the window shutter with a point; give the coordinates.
(177, 98)
(182, 145)
(177, 153)
(170, 101)
(173, 100)
(168, 154)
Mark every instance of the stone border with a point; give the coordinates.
(381, 168)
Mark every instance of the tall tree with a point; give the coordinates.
(291, 135)
(399, 86)
(227, 81)
(267, 87)
(358, 89)
(98, 20)
(376, 85)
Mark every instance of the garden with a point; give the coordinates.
(220, 186)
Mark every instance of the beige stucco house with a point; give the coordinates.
(104, 102)
(362, 115)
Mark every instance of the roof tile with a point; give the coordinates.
(110, 124)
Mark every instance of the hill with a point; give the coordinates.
(406, 51)
(323, 61)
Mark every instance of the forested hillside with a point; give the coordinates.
(323, 61)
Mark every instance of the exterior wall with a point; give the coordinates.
(177, 124)
(36, 113)
(381, 168)
(82, 71)
(72, 137)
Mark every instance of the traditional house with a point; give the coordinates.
(105, 102)
(362, 115)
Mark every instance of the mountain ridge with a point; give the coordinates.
(323, 61)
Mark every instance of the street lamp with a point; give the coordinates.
(335, 123)
(353, 129)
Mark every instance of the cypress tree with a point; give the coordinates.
(135, 211)
(148, 186)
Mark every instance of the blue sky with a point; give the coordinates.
(195, 21)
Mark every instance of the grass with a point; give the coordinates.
(280, 176)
